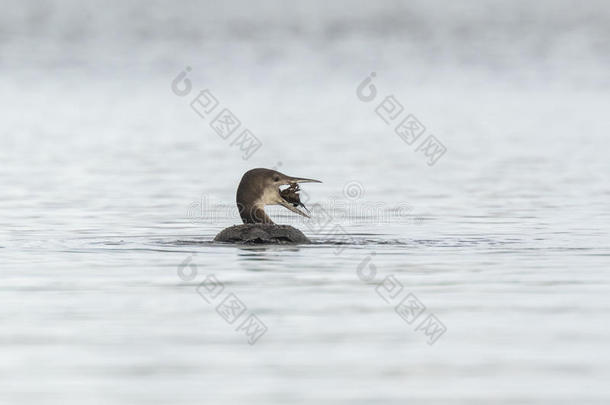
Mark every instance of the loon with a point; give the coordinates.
(258, 188)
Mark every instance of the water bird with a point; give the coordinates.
(258, 188)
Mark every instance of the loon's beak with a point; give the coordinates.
(291, 180)
(292, 208)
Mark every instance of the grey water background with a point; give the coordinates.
(505, 239)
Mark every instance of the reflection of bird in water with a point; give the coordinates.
(258, 188)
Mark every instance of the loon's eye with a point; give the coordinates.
(276, 178)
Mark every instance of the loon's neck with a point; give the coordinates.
(251, 199)
(253, 214)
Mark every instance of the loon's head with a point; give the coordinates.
(260, 187)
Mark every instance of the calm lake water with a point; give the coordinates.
(113, 189)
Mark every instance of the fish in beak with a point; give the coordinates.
(290, 197)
